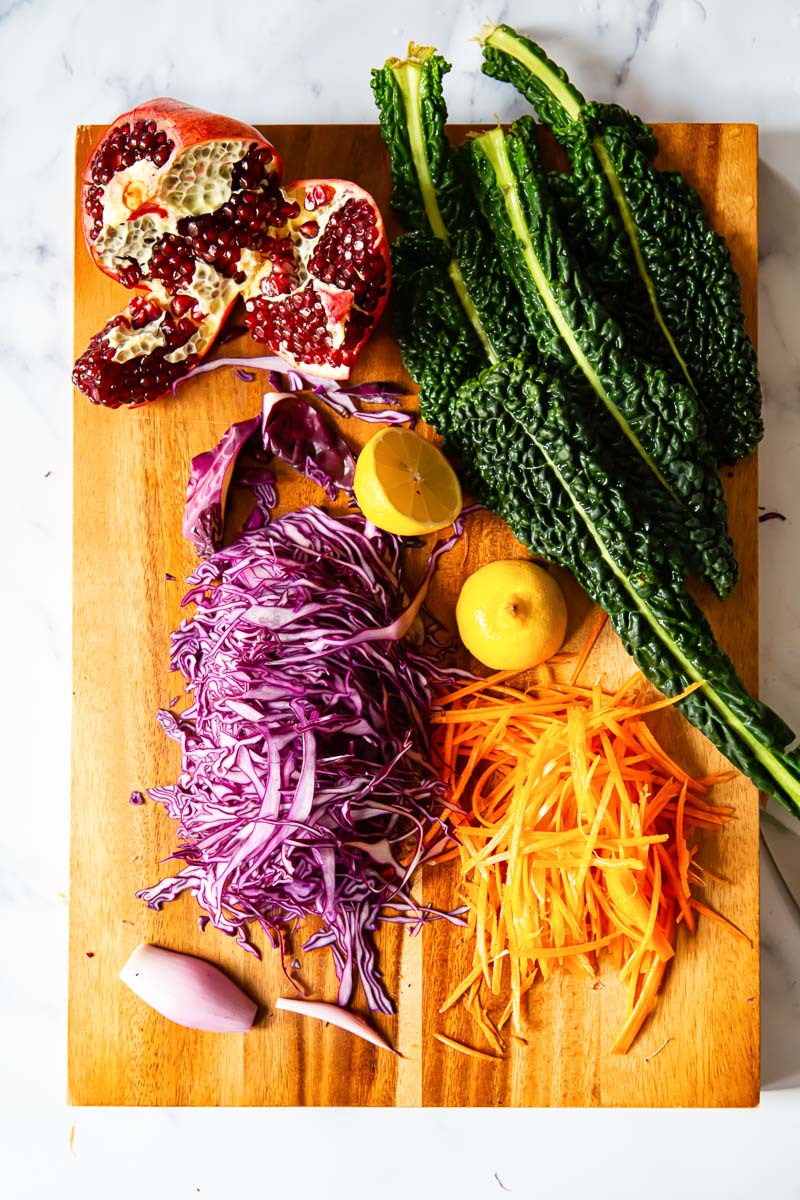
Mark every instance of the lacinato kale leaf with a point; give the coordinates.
(660, 417)
(428, 191)
(432, 196)
(540, 453)
(674, 262)
(440, 347)
(537, 460)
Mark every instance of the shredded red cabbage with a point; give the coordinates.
(292, 430)
(344, 400)
(209, 479)
(306, 786)
(295, 432)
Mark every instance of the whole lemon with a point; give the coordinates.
(511, 615)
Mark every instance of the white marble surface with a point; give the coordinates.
(64, 63)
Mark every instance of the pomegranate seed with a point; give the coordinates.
(131, 275)
(252, 169)
(173, 262)
(318, 195)
(142, 311)
(309, 229)
(182, 304)
(94, 207)
(297, 328)
(123, 146)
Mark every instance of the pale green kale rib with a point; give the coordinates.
(662, 244)
(659, 416)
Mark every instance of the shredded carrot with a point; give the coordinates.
(463, 1048)
(572, 829)
(715, 916)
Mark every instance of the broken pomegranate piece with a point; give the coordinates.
(144, 349)
(163, 163)
(325, 280)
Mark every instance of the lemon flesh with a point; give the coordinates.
(405, 485)
(511, 615)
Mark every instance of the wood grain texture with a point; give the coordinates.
(130, 476)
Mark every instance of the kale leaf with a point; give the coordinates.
(537, 460)
(674, 262)
(660, 417)
(432, 196)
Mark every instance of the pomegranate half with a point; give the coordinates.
(176, 202)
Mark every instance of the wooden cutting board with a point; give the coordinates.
(130, 479)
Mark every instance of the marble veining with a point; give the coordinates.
(65, 63)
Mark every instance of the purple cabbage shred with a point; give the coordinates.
(289, 428)
(344, 399)
(306, 786)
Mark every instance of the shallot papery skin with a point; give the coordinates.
(188, 990)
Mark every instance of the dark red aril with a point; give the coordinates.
(251, 170)
(317, 195)
(297, 328)
(94, 207)
(347, 254)
(172, 262)
(126, 145)
(131, 275)
(142, 310)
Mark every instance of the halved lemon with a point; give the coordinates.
(405, 485)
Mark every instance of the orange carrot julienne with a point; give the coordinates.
(715, 916)
(594, 633)
(572, 834)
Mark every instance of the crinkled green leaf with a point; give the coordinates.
(673, 261)
(661, 417)
(432, 196)
(539, 462)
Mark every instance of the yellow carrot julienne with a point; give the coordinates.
(463, 1048)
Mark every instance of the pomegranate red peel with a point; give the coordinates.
(318, 296)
